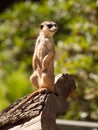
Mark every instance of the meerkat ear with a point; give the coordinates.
(41, 27)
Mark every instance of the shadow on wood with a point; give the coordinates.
(40, 112)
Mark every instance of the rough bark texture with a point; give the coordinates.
(40, 112)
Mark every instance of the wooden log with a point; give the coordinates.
(40, 112)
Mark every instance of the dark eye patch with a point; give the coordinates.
(54, 25)
(41, 26)
(49, 25)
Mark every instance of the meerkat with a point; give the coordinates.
(43, 60)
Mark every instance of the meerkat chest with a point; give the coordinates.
(44, 45)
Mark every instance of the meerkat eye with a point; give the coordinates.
(41, 27)
(49, 25)
(54, 25)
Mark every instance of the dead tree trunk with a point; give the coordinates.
(40, 112)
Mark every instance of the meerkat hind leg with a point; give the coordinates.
(34, 80)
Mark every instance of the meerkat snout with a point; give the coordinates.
(52, 27)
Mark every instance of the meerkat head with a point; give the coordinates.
(48, 28)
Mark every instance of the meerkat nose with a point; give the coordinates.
(55, 29)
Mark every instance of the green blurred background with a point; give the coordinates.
(76, 44)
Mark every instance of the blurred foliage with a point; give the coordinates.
(76, 48)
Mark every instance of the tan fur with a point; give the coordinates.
(43, 58)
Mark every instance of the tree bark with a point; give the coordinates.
(40, 112)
